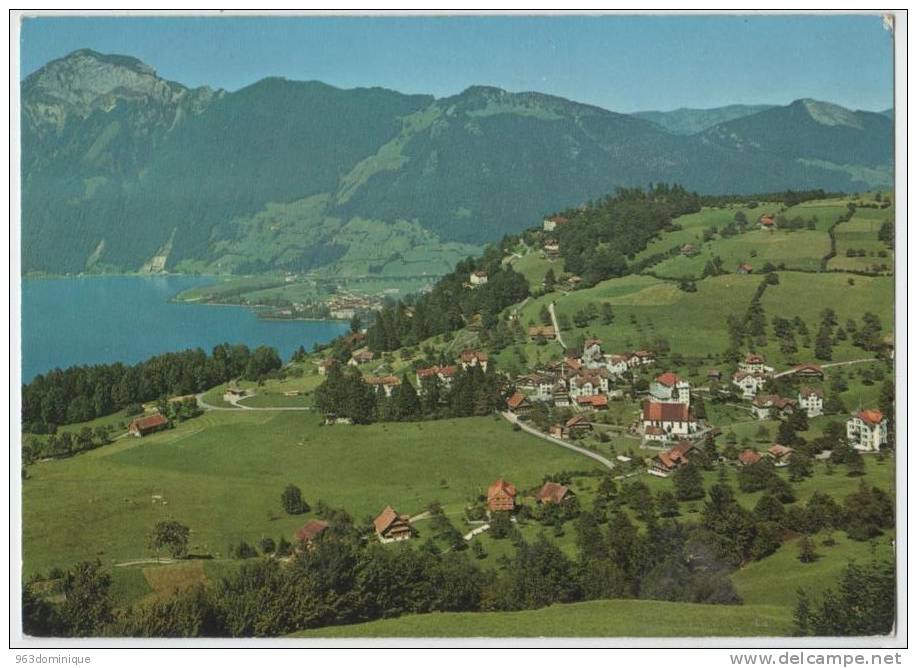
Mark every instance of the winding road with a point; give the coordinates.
(512, 418)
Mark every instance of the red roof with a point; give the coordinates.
(149, 422)
(665, 412)
(809, 369)
(311, 530)
(745, 267)
(749, 457)
(779, 451)
(552, 492)
(573, 363)
(448, 371)
(469, 355)
(577, 421)
(668, 379)
(385, 519)
(872, 416)
(806, 391)
(427, 372)
(501, 488)
(516, 400)
(766, 220)
(382, 380)
(751, 358)
(592, 342)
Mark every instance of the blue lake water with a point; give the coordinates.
(90, 320)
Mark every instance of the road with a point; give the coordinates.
(510, 417)
(560, 339)
(236, 406)
(829, 365)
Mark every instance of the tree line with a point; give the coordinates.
(81, 393)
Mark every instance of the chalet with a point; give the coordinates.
(571, 364)
(812, 401)
(689, 250)
(233, 394)
(471, 358)
(754, 364)
(552, 492)
(310, 532)
(645, 357)
(391, 527)
(550, 224)
(426, 373)
(767, 222)
(518, 403)
(477, 278)
(574, 281)
(767, 405)
(744, 268)
(867, 430)
(540, 333)
(577, 424)
(674, 419)
(587, 383)
(749, 383)
(361, 356)
(446, 374)
(551, 248)
(671, 460)
(669, 387)
(501, 496)
(780, 454)
(592, 353)
(559, 431)
(714, 375)
(809, 371)
(354, 338)
(147, 425)
(652, 433)
(387, 383)
(749, 457)
(597, 402)
(616, 364)
(325, 365)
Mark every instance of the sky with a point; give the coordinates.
(622, 63)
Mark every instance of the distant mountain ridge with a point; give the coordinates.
(687, 121)
(125, 171)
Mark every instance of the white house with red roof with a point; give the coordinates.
(477, 278)
(754, 363)
(673, 420)
(750, 383)
(616, 364)
(587, 383)
(472, 358)
(670, 387)
(767, 222)
(867, 430)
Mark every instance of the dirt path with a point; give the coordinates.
(830, 365)
(560, 339)
(513, 419)
(236, 406)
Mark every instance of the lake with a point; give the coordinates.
(90, 320)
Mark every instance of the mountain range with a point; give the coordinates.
(125, 171)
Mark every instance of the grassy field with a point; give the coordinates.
(620, 618)
(222, 475)
(860, 233)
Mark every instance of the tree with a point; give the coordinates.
(608, 315)
(689, 483)
(550, 280)
(407, 404)
(267, 545)
(172, 535)
(800, 466)
(356, 324)
(87, 606)
(854, 462)
(292, 501)
(769, 509)
(667, 503)
(807, 552)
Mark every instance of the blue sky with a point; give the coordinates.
(617, 62)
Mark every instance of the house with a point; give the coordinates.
(749, 457)
(551, 248)
(689, 250)
(810, 371)
(426, 373)
(766, 405)
(325, 365)
(471, 358)
(550, 224)
(616, 364)
(501, 496)
(754, 364)
(147, 425)
(671, 460)
(749, 383)
(812, 401)
(558, 431)
(477, 278)
(674, 419)
(361, 356)
(597, 402)
(780, 454)
(446, 374)
(560, 395)
(571, 364)
(669, 387)
(652, 433)
(714, 375)
(517, 403)
(767, 222)
(539, 333)
(353, 338)
(577, 424)
(391, 527)
(233, 394)
(592, 353)
(645, 357)
(867, 430)
(744, 268)
(588, 383)
(387, 383)
(552, 492)
(310, 532)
